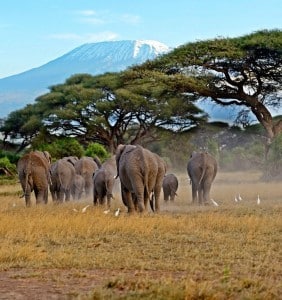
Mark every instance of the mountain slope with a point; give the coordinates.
(96, 58)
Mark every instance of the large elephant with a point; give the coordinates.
(103, 182)
(86, 167)
(202, 169)
(170, 186)
(141, 173)
(62, 180)
(34, 175)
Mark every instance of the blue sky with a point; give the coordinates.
(33, 32)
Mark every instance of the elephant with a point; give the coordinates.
(34, 174)
(86, 166)
(202, 169)
(141, 173)
(170, 186)
(77, 187)
(62, 177)
(103, 182)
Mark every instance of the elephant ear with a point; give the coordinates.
(72, 159)
(119, 151)
(97, 161)
(48, 156)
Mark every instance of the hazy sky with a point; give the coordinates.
(33, 32)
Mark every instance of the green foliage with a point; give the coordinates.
(276, 149)
(63, 147)
(12, 157)
(224, 70)
(273, 165)
(212, 147)
(95, 149)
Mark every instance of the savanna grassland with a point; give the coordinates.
(232, 251)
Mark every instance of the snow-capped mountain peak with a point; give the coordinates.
(154, 47)
(94, 58)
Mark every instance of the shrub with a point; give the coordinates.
(96, 149)
(63, 147)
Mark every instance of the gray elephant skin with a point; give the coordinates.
(86, 167)
(170, 186)
(202, 169)
(77, 187)
(141, 174)
(103, 182)
(33, 171)
(62, 180)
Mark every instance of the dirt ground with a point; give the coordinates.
(31, 284)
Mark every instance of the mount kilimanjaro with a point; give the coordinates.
(95, 58)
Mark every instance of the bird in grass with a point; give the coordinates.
(106, 211)
(258, 200)
(240, 198)
(214, 203)
(117, 212)
(235, 199)
(84, 208)
(75, 210)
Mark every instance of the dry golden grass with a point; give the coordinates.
(186, 252)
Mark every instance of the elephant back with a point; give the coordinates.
(85, 166)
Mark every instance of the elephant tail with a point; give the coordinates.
(152, 201)
(27, 172)
(204, 168)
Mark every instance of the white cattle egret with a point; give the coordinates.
(75, 210)
(84, 208)
(106, 211)
(258, 200)
(213, 202)
(239, 197)
(117, 212)
(235, 199)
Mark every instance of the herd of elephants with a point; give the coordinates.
(142, 175)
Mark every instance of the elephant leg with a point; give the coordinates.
(27, 194)
(95, 199)
(206, 192)
(68, 195)
(39, 196)
(157, 193)
(61, 194)
(200, 195)
(53, 194)
(194, 193)
(46, 196)
(128, 200)
(109, 199)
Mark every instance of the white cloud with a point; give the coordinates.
(86, 12)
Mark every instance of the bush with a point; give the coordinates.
(96, 149)
(7, 168)
(63, 147)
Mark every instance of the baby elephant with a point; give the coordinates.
(170, 185)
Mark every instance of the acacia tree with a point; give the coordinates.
(244, 71)
(22, 125)
(114, 108)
